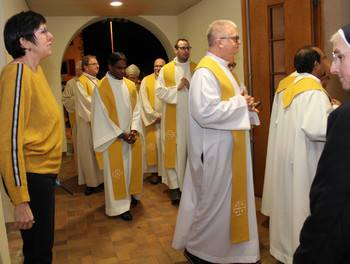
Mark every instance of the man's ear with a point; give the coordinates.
(218, 43)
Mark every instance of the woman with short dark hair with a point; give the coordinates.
(31, 134)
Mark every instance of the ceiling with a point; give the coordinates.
(102, 7)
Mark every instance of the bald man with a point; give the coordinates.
(216, 222)
(151, 109)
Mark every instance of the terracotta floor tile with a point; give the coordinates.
(84, 234)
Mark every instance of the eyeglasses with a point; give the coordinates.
(184, 48)
(43, 30)
(235, 38)
(94, 64)
(338, 58)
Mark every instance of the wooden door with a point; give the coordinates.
(277, 29)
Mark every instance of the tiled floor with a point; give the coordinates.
(85, 235)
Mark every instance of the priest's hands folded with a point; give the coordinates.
(183, 83)
(250, 102)
(130, 137)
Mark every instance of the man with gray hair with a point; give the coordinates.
(89, 172)
(217, 221)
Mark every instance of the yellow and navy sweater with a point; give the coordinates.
(30, 129)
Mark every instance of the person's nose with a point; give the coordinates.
(334, 68)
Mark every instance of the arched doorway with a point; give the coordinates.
(140, 46)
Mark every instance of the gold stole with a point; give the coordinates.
(151, 141)
(170, 116)
(87, 85)
(303, 85)
(89, 90)
(116, 151)
(72, 119)
(239, 201)
(284, 83)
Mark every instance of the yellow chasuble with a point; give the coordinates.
(151, 141)
(170, 116)
(303, 85)
(239, 200)
(116, 151)
(89, 90)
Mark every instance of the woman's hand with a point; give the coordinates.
(24, 218)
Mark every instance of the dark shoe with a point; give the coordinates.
(101, 186)
(154, 179)
(134, 201)
(175, 196)
(127, 216)
(195, 260)
(89, 190)
(159, 179)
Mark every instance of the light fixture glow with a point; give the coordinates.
(116, 3)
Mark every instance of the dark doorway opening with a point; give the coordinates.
(138, 44)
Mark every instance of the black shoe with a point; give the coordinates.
(134, 201)
(101, 186)
(89, 190)
(127, 216)
(175, 196)
(195, 260)
(154, 179)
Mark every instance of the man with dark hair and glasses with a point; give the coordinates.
(117, 133)
(89, 172)
(173, 88)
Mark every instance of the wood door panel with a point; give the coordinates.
(260, 86)
(297, 28)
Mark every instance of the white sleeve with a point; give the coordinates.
(68, 96)
(315, 117)
(149, 116)
(210, 111)
(104, 130)
(167, 94)
(83, 102)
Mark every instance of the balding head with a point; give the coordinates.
(218, 29)
(157, 66)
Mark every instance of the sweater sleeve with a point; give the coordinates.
(14, 111)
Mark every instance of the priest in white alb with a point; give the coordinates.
(117, 126)
(173, 86)
(151, 113)
(299, 134)
(89, 172)
(217, 220)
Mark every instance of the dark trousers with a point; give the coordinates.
(38, 241)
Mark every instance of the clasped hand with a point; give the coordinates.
(183, 83)
(250, 102)
(130, 137)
